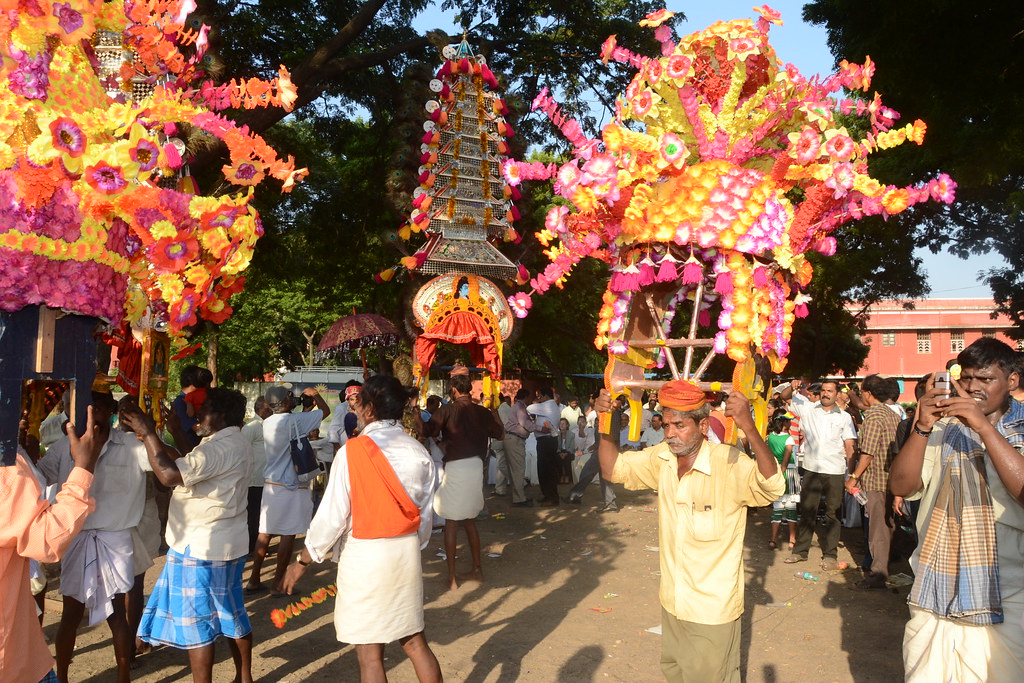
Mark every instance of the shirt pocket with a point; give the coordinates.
(705, 522)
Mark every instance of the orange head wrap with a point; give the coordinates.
(459, 369)
(681, 395)
(352, 391)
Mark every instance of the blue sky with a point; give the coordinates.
(805, 46)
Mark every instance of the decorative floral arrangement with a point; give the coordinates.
(743, 167)
(461, 155)
(90, 193)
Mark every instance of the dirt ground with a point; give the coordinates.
(569, 594)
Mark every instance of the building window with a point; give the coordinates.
(888, 339)
(956, 341)
(924, 342)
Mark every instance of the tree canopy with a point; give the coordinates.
(960, 68)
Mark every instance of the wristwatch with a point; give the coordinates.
(299, 560)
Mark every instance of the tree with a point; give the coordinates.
(347, 59)
(960, 68)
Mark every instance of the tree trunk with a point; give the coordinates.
(211, 352)
(310, 347)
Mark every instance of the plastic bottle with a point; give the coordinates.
(807, 576)
(860, 495)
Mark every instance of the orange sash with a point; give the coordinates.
(380, 506)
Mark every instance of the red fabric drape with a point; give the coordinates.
(464, 329)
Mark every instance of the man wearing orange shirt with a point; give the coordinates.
(31, 528)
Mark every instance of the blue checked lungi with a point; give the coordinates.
(194, 601)
(50, 677)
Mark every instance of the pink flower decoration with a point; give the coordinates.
(512, 172)
(943, 189)
(841, 180)
(68, 18)
(642, 103)
(769, 14)
(805, 145)
(520, 304)
(673, 149)
(654, 71)
(569, 176)
(677, 67)
(600, 169)
(840, 147)
(555, 220)
(742, 47)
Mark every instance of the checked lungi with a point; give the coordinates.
(195, 601)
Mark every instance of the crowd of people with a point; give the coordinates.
(952, 470)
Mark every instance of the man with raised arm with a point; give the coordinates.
(704, 490)
(32, 528)
(964, 460)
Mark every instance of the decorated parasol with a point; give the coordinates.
(742, 169)
(463, 208)
(101, 221)
(357, 332)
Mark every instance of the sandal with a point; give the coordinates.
(829, 564)
(793, 559)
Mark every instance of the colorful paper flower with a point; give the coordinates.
(657, 18)
(105, 178)
(174, 253)
(67, 136)
(520, 304)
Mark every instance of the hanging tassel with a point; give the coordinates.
(646, 274)
(667, 269)
(723, 284)
(522, 275)
(692, 271)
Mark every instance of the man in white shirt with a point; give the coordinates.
(287, 505)
(829, 445)
(98, 569)
(253, 433)
(198, 597)
(654, 434)
(572, 411)
(547, 414)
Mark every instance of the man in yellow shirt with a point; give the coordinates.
(704, 490)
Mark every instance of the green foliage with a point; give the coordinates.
(324, 241)
(960, 68)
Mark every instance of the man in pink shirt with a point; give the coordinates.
(32, 528)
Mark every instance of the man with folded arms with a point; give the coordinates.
(704, 490)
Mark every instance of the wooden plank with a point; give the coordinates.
(45, 339)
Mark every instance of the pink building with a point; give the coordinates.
(908, 343)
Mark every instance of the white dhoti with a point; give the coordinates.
(380, 590)
(97, 566)
(461, 494)
(936, 649)
(285, 512)
(146, 537)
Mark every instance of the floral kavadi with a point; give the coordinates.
(85, 164)
(743, 167)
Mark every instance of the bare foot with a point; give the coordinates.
(452, 584)
(474, 575)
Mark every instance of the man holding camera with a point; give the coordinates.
(964, 460)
